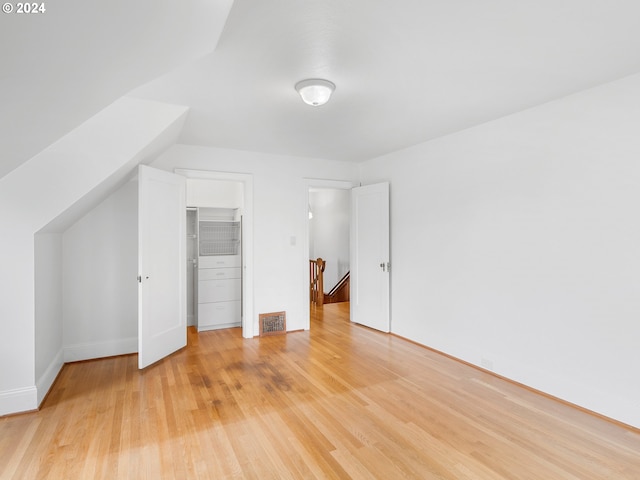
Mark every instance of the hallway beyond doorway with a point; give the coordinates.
(334, 311)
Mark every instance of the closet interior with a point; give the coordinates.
(214, 267)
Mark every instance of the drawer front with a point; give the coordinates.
(218, 313)
(218, 273)
(218, 290)
(219, 261)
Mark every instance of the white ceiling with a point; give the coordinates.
(61, 67)
(406, 71)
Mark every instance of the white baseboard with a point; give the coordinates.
(18, 400)
(88, 351)
(204, 328)
(43, 384)
(29, 398)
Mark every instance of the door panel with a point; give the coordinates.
(370, 256)
(162, 312)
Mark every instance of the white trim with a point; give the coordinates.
(88, 351)
(308, 184)
(44, 383)
(18, 400)
(249, 323)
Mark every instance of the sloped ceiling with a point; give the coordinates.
(60, 67)
(406, 71)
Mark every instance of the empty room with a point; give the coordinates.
(320, 239)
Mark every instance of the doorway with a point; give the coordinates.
(327, 210)
(162, 308)
(223, 190)
(329, 225)
(219, 272)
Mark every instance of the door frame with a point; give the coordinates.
(248, 321)
(304, 269)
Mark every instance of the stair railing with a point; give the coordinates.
(316, 281)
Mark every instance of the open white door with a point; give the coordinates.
(370, 256)
(162, 313)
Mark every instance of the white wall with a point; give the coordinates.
(329, 232)
(280, 213)
(214, 193)
(516, 246)
(66, 177)
(150, 40)
(100, 287)
(48, 310)
(100, 250)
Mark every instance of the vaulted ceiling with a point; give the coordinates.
(60, 67)
(406, 71)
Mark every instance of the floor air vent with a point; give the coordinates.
(273, 323)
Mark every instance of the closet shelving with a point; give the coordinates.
(219, 269)
(219, 238)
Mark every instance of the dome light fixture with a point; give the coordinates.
(315, 91)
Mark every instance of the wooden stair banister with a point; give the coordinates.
(316, 270)
(339, 293)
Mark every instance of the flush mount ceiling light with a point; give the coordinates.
(315, 91)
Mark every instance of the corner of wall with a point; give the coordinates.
(44, 383)
(90, 350)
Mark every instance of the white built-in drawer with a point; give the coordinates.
(218, 290)
(218, 273)
(221, 313)
(219, 261)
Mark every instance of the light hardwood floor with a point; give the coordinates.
(340, 401)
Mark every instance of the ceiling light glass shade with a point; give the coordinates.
(314, 91)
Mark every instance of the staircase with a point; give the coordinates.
(339, 293)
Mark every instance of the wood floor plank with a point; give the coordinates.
(338, 401)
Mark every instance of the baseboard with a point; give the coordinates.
(628, 426)
(29, 398)
(18, 400)
(44, 383)
(204, 328)
(88, 351)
